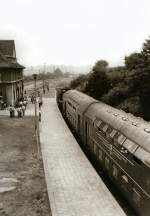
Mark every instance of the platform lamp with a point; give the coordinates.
(36, 117)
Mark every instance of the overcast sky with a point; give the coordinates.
(74, 32)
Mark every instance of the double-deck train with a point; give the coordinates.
(119, 141)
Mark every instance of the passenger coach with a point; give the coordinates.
(119, 141)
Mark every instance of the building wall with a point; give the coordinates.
(11, 85)
(9, 94)
(3, 91)
(8, 75)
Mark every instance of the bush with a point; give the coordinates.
(116, 95)
(78, 81)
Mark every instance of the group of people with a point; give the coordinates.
(20, 107)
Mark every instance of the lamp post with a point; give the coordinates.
(36, 117)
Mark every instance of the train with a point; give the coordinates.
(119, 141)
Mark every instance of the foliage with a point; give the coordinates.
(101, 64)
(139, 65)
(126, 87)
(78, 81)
(98, 82)
(43, 76)
(116, 75)
(134, 61)
(57, 73)
(116, 95)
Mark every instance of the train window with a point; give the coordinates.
(124, 178)
(100, 154)
(107, 162)
(96, 122)
(109, 130)
(136, 197)
(141, 155)
(112, 134)
(99, 123)
(95, 148)
(101, 126)
(90, 130)
(124, 182)
(105, 128)
(137, 160)
(121, 139)
(116, 138)
(130, 146)
(115, 171)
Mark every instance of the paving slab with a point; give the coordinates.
(74, 187)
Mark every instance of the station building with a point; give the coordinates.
(11, 73)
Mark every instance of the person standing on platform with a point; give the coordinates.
(20, 103)
(19, 111)
(40, 102)
(12, 111)
(25, 103)
(32, 99)
(40, 115)
(23, 108)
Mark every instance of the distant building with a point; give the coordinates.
(11, 73)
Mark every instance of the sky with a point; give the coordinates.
(75, 32)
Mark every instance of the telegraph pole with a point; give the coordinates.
(37, 133)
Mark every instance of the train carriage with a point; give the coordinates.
(74, 105)
(119, 141)
(121, 148)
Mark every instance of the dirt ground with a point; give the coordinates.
(18, 161)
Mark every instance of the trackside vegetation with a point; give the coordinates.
(126, 87)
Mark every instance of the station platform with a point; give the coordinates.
(74, 187)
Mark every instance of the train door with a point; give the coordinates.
(64, 108)
(78, 125)
(86, 133)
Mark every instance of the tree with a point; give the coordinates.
(57, 73)
(100, 65)
(146, 51)
(98, 82)
(78, 80)
(144, 79)
(134, 61)
(139, 64)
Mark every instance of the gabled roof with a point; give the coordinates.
(7, 47)
(8, 55)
